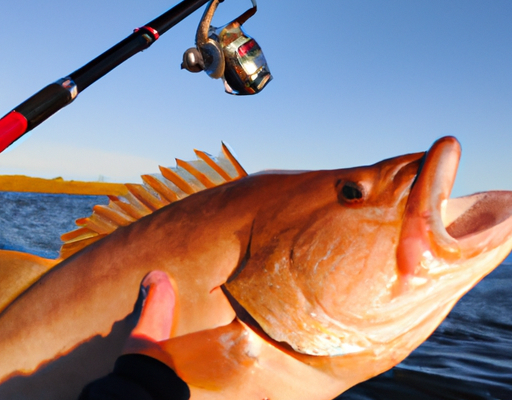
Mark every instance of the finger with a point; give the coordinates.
(156, 317)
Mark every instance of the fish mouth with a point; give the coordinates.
(449, 231)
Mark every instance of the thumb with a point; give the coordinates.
(157, 313)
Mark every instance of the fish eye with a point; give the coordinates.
(349, 192)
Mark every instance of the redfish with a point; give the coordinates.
(289, 285)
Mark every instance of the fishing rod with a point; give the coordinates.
(226, 52)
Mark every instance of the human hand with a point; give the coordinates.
(136, 377)
(155, 321)
(186, 354)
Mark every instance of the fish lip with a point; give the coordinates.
(437, 227)
(423, 231)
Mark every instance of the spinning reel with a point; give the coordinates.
(229, 53)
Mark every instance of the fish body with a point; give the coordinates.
(289, 285)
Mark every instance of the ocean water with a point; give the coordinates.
(468, 357)
(33, 222)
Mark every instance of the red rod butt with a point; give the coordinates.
(12, 127)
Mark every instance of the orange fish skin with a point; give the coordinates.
(323, 271)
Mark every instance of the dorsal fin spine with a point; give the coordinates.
(131, 210)
(78, 234)
(97, 224)
(160, 188)
(119, 218)
(145, 197)
(137, 205)
(177, 180)
(229, 155)
(210, 161)
(196, 173)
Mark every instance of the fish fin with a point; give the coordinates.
(157, 191)
(228, 347)
(18, 271)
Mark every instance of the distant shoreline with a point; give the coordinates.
(22, 183)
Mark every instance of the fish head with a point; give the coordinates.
(368, 261)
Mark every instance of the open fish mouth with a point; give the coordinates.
(449, 231)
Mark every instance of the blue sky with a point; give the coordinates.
(354, 82)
